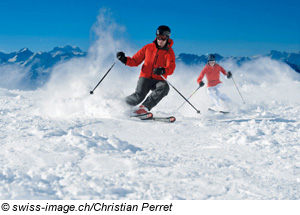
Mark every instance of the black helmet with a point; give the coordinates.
(163, 30)
(211, 57)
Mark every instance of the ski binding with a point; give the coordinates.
(144, 116)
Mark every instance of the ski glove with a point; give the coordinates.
(201, 84)
(159, 71)
(229, 74)
(121, 57)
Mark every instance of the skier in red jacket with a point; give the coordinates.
(159, 59)
(212, 71)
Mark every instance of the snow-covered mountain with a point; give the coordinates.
(26, 58)
(39, 65)
(292, 59)
(192, 59)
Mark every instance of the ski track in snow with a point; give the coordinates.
(252, 153)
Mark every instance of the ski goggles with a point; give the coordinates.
(160, 37)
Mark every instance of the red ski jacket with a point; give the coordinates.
(154, 57)
(212, 74)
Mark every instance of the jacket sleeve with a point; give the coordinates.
(170, 65)
(223, 70)
(201, 76)
(137, 59)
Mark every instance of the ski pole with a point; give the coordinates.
(237, 89)
(198, 111)
(188, 98)
(92, 92)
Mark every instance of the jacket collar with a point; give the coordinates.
(210, 65)
(168, 45)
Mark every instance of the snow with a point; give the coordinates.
(54, 54)
(60, 142)
(250, 154)
(12, 60)
(24, 50)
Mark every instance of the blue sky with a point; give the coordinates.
(230, 28)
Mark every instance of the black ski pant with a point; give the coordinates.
(159, 90)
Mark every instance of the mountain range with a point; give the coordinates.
(40, 64)
(292, 59)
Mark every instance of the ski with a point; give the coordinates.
(169, 119)
(218, 111)
(149, 116)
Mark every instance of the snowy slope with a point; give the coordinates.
(59, 142)
(89, 150)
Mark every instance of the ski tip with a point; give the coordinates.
(169, 119)
(172, 119)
